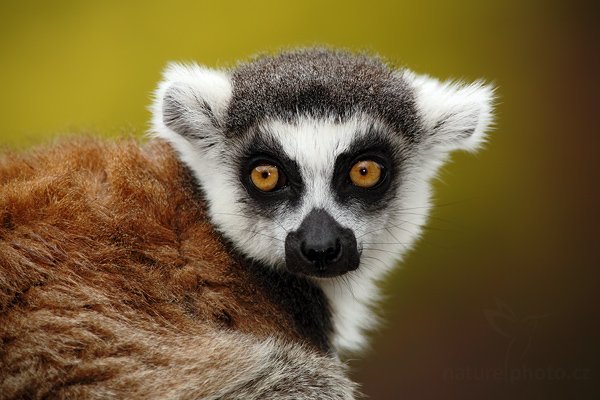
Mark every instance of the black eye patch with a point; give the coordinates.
(372, 198)
(269, 152)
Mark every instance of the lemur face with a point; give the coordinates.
(318, 161)
(320, 189)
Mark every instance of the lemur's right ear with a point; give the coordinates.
(190, 104)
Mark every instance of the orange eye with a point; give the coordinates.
(265, 177)
(365, 174)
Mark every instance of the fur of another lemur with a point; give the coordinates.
(167, 269)
(113, 284)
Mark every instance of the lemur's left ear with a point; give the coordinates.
(190, 104)
(454, 115)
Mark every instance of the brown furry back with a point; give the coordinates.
(113, 284)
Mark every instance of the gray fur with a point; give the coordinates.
(285, 371)
(319, 83)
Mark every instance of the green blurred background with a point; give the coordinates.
(500, 298)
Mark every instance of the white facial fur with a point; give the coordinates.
(453, 116)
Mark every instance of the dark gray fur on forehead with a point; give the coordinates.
(319, 83)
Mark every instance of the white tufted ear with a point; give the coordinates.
(190, 104)
(455, 115)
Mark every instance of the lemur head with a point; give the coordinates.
(318, 161)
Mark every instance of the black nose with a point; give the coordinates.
(322, 253)
(321, 247)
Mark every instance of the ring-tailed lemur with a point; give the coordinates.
(318, 162)
(314, 166)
